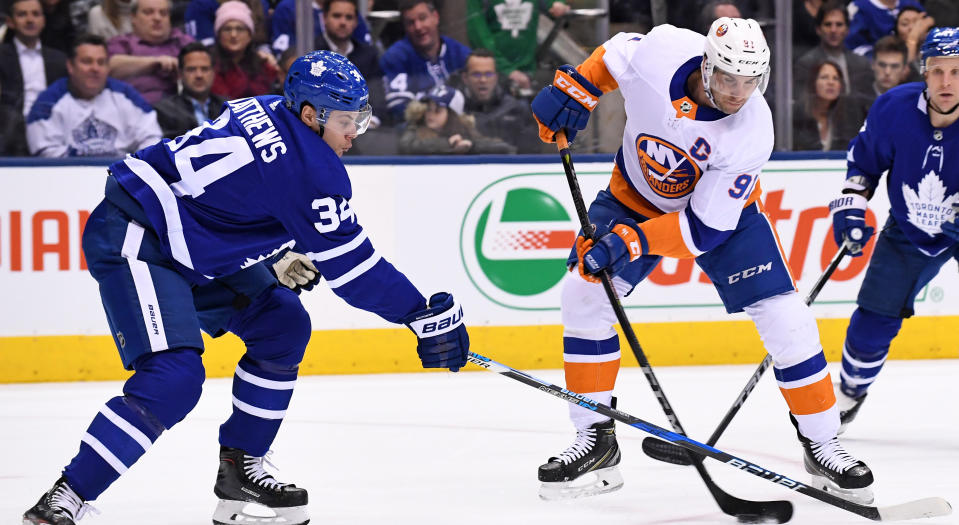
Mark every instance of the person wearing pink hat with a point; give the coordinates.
(241, 71)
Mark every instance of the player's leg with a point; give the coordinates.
(591, 357)
(275, 328)
(897, 272)
(149, 308)
(750, 273)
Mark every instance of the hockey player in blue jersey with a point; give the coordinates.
(181, 243)
(911, 131)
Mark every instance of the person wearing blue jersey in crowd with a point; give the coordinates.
(193, 234)
(911, 131)
(872, 20)
(421, 60)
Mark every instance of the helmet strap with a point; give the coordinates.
(936, 108)
(705, 70)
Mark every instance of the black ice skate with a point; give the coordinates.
(242, 480)
(58, 506)
(586, 468)
(835, 470)
(848, 408)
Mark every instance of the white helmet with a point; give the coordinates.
(736, 46)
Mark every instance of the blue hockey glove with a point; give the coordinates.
(623, 244)
(950, 228)
(296, 271)
(442, 341)
(566, 103)
(849, 222)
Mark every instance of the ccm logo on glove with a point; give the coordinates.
(571, 88)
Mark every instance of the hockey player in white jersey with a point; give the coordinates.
(685, 185)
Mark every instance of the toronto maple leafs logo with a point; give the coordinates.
(514, 16)
(317, 68)
(928, 205)
(94, 137)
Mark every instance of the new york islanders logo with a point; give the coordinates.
(668, 170)
(721, 30)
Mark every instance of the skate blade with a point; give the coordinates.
(229, 512)
(863, 496)
(592, 483)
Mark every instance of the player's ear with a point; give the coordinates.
(308, 115)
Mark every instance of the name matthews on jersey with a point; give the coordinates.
(253, 118)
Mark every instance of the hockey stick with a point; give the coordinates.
(659, 449)
(746, 510)
(923, 508)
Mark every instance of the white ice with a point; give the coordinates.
(449, 448)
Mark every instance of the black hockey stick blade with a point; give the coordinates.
(665, 452)
(746, 511)
(923, 508)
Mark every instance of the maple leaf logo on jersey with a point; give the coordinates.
(317, 68)
(929, 206)
(514, 16)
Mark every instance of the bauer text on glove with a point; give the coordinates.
(849, 222)
(442, 341)
(566, 103)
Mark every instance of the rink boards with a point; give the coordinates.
(495, 233)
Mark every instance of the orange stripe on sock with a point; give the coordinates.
(810, 399)
(591, 377)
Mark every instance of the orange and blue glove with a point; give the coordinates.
(625, 243)
(566, 103)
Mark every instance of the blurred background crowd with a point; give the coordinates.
(106, 77)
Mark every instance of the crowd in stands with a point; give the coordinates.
(106, 77)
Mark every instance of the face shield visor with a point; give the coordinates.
(348, 122)
(732, 91)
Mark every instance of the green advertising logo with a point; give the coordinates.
(515, 239)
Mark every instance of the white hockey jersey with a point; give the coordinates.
(115, 122)
(691, 169)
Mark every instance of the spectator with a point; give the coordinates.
(889, 64)
(146, 58)
(26, 69)
(832, 26)
(912, 25)
(497, 113)
(716, 9)
(180, 113)
(340, 19)
(87, 113)
(422, 59)
(111, 18)
(437, 125)
(58, 31)
(240, 70)
(508, 29)
(824, 118)
(872, 20)
(201, 15)
(805, 36)
(283, 27)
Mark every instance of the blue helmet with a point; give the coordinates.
(940, 42)
(327, 81)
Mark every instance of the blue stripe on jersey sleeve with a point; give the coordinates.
(130, 93)
(43, 107)
(704, 237)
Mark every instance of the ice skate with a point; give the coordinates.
(242, 482)
(835, 470)
(58, 506)
(586, 468)
(848, 408)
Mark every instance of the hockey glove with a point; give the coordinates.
(296, 271)
(623, 244)
(849, 222)
(442, 341)
(566, 103)
(950, 228)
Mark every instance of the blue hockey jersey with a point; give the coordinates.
(922, 183)
(870, 21)
(409, 75)
(235, 190)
